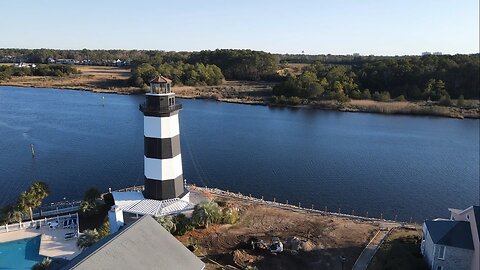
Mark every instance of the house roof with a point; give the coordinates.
(476, 212)
(134, 202)
(144, 244)
(161, 79)
(450, 233)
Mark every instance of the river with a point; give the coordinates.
(404, 166)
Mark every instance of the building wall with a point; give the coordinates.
(455, 258)
(428, 247)
(469, 215)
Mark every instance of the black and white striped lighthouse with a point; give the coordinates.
(162, 160)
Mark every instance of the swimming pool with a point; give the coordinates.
(20, 254)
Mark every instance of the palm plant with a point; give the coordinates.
(206, 212)
(15, 215)
(42, 265)
(167, 223)
(89, 202)
(88, 238)
(32, 198)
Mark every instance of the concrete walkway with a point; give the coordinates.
(367, 254)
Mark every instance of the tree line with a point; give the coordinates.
(432, 77)
(337, 77)
(180, 73)
(56, 70)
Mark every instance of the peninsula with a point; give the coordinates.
(439, 85)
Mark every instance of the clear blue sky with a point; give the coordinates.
(380, 27)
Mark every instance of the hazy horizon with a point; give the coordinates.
(384, 28)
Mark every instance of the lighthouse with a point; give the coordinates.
(162, 156)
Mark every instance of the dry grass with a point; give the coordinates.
(92, 78)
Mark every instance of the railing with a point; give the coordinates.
(57, 209)
(148, 109)
(35, 223)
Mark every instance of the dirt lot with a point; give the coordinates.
(311, 241)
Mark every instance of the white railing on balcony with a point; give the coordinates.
(37, 223)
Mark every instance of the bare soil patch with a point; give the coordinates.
(311, 241)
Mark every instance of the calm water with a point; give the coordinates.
(396, 165)
(23, 252)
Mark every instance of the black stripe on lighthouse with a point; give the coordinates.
(162, 148)
(167, 189)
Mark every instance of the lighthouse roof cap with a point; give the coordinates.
(161, 79)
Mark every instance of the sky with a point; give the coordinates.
(380, 27)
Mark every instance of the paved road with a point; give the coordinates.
(367, 254)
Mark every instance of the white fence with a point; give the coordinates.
(36, 223)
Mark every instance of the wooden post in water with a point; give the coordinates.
(367, 214)
(287, 202)
(325, 209)
(103, 101)
(33, 150)
(339, 210)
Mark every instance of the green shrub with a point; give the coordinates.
(445, 100)
(460, 101)
(182, 224)
(366, 94)
(294, 101)
(382, 96)
(400, 98)
(205, 213)
(167, 223)
(42, 265)
(230, 216)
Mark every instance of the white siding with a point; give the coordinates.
(161, 127)
(163, 169)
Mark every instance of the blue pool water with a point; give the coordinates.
(20, 254)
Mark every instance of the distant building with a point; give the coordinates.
(426, 53)
(24, 65)
(453, 243)
(144, 244)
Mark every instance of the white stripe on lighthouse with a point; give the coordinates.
(161, 127)
(163, 169)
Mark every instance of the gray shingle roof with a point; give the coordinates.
(144, 244)
(450, 233)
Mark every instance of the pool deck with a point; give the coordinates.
(53, 243)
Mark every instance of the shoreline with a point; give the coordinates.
(249, 93)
